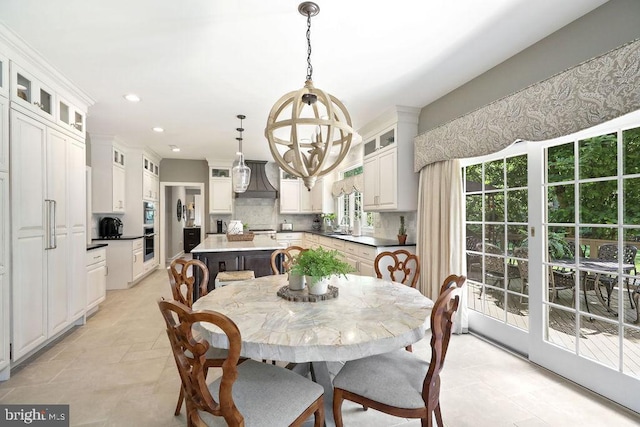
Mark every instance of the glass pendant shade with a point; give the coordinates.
(240, 174)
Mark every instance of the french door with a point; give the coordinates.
(551, 254)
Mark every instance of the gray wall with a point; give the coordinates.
(176, 170)
(605, 28)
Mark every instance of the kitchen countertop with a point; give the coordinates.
(96, 246)
(103, 239)
(219, 243)
(363, 240)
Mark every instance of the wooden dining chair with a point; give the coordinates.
(287, 254)
(400, 383)
(251, 393)
(400, 266)
(182, 274)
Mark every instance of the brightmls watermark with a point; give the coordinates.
(37, 415)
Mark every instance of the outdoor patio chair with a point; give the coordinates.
(609, 252)
(494, 266)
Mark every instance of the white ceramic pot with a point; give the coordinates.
(296, 282)
(317, 285)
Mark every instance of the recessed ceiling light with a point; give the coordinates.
(158, 129)
(132, 97)
(174, 148)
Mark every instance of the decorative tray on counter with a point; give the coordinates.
(247, 237)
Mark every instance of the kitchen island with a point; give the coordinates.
(219, 254)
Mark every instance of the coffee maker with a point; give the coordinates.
(110, 228)
(219, 226)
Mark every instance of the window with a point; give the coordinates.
(350, 205)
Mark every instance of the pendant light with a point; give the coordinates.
(240, 172)
(309, 131)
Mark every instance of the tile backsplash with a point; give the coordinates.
(262, 213)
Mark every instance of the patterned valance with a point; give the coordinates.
(348, 185)
(593, 92)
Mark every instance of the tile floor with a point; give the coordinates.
(117, 370)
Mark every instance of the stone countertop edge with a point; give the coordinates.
(219, 243)
(96, 246)
(102, 239)
(363, 240)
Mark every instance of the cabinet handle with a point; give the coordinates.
(96, 257)
(135, 257)
(106, 271)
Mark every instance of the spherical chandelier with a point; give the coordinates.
(309, 130)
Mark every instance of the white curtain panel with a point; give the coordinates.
(440, 243)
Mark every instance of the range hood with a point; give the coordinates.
(259, 186)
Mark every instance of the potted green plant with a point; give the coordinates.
(402, 232)
(318, 265)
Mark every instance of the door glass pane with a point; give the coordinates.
(494, 175)
(561, 329)
(561, 203)
(598, 156)
(599, 202)
(474, 207)
(630, 356)
(606, 348)
(560, 163)
(494, 206)
(517, 168)
(631, 200)
(473, 176)
(631, 151)
(517, 201)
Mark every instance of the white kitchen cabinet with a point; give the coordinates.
(389, 181)
(31, 93)
(5, 307)
(108, 181)
(150, 179)
(4, 76)
(96, 265)
(310, 240)
(48, 231)
(290, 239)
(220, 190)
(125, 262)
(289, 196)
(295, 198)
(4, 133)
(71, 117)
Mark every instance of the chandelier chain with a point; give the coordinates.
(309, 66)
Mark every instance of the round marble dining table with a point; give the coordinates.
(369, 316)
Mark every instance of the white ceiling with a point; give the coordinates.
(196, 64)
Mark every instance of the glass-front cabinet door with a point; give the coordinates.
(32, 93)
(70, 117)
